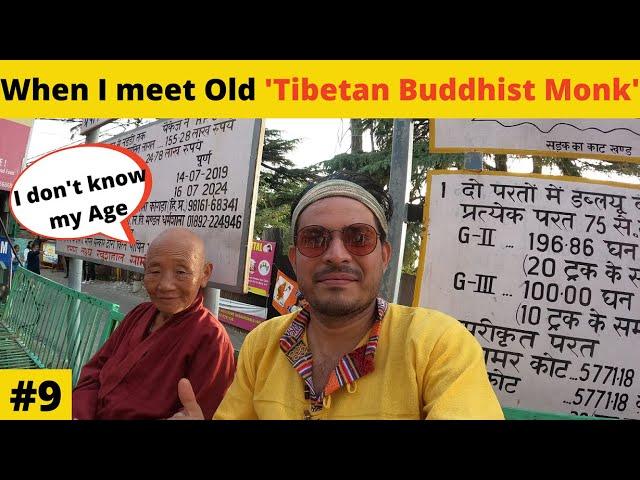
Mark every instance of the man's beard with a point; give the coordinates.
(338, 306)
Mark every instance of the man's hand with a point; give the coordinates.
(191, 410)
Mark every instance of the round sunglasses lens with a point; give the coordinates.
(360, 239)
(311, 241)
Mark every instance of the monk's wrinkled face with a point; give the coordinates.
(338, 283)
(175, 271)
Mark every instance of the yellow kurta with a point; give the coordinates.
(427, 365)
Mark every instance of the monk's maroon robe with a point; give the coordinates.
(135, 374)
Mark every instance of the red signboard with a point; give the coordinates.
(14, 137)
(240, 320)
(261, 264)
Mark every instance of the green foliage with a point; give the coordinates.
(618, 168)
(374, 164)
(574, 167)
(279, 184)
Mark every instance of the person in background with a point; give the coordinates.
(89, 272)
(26, 252)
(65, 266)
(33, 258)
(15, 258)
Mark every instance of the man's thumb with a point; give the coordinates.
(188, 399)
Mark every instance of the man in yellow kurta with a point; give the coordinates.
(349, 354)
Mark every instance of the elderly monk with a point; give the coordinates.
(135, 374)
(348, 354)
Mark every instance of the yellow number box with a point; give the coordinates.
(35, 394)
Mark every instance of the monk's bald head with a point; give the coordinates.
(176, 269)
(179, 240)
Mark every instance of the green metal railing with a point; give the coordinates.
(47, 325)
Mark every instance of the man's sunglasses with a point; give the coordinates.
(359, 239)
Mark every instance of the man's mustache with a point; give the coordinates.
(340, 269)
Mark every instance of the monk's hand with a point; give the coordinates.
(191, 410)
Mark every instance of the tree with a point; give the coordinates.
(570, 167)
(619, 168)
(537, 164)
(501, 162)
(279, 184)
(356, 135)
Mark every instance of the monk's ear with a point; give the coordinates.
(206, 274)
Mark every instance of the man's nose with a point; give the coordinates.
(336, 251)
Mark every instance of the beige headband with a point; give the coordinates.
(340, 188)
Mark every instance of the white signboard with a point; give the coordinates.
(90, 124)
(613, 140)
(545, 273)
(204, 178)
